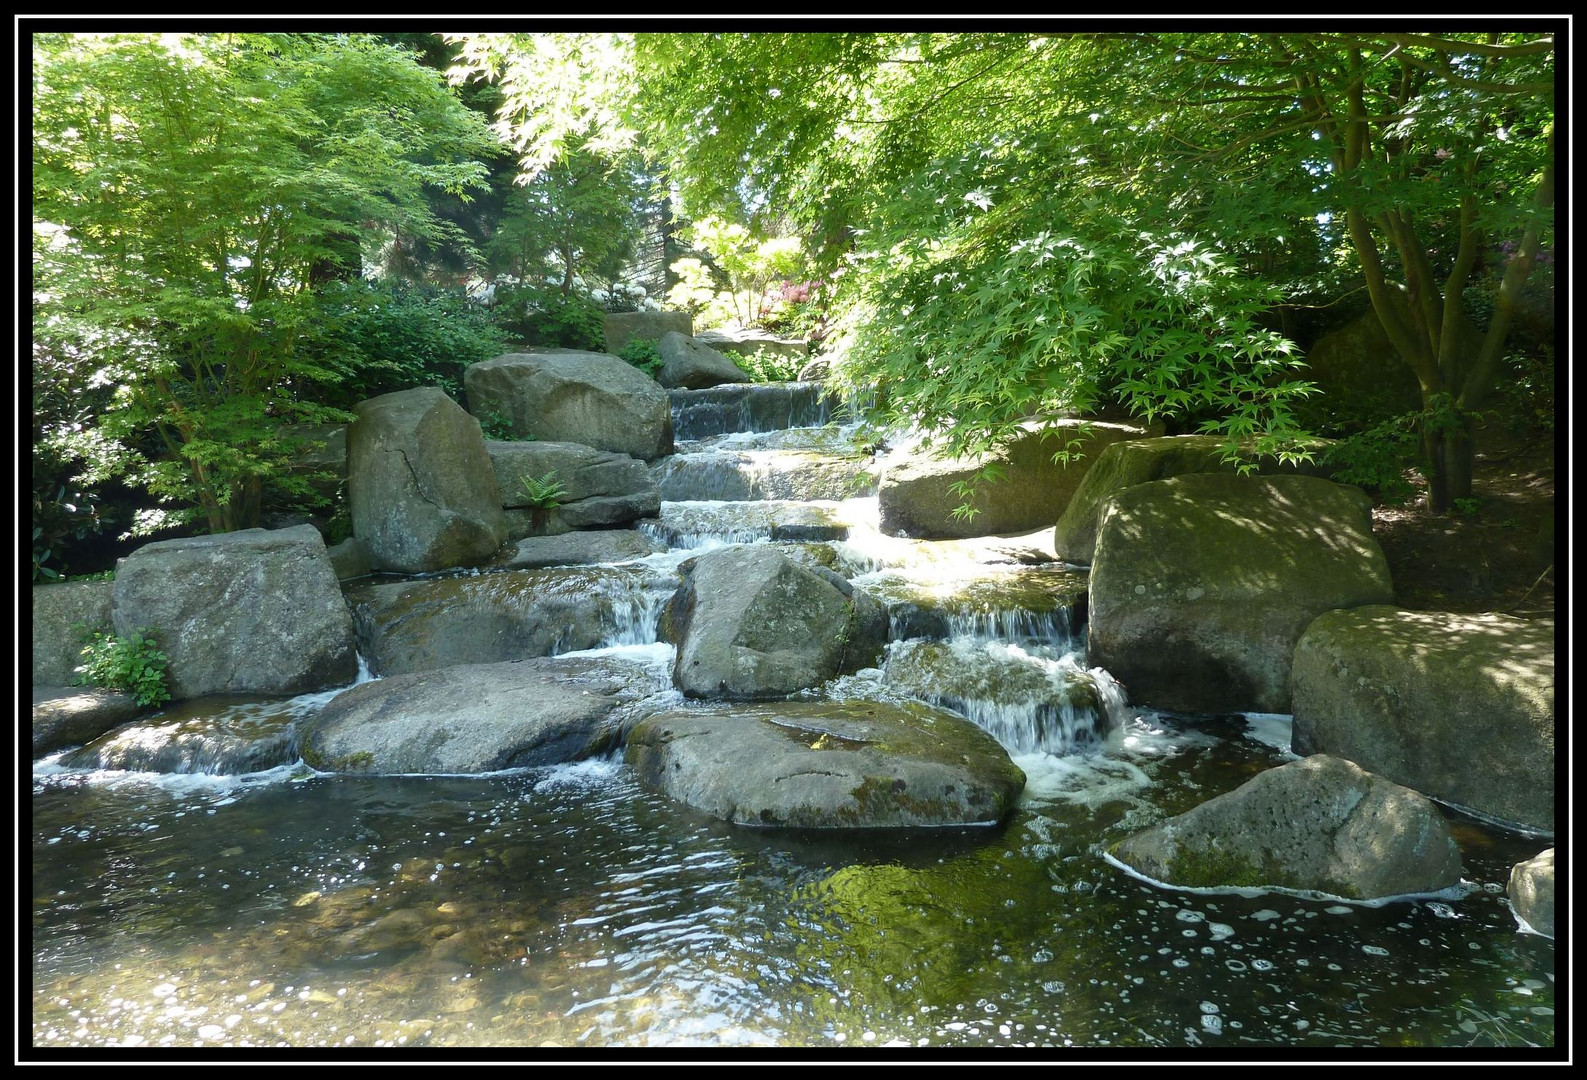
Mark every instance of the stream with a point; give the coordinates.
(567, 906)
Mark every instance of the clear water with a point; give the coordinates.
(569, 907)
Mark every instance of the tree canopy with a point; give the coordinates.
(1040, 222)
(189, 193)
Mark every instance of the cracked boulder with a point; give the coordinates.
(827, 765)
(421, 488)
(252, 612)
(750, 623)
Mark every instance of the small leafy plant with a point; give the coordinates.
(544, 493)
(133, 663)
(496, 427)
(1467, 507)
(643, 354)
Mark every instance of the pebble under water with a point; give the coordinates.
(568, 907)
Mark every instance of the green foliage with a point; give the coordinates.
(133, 664)
(765, 366)
(544, 493)
(1467, 507)
(737, 287)
(190, 193)
(496, 427)
(643, 354)
(551, 318)
(1376, 459)
(393, 336)
(575, 219)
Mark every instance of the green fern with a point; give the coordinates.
(545, 493)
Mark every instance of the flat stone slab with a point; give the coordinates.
(701, 524)
(606, 546)
(477, 718)
(827, 765)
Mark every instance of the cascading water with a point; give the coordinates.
(570, 907)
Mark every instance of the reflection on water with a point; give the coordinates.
(568, 907)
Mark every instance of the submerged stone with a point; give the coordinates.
(827, 765)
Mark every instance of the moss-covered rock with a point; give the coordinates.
(917, 495)
(1459, 707)
(1203, 583)
(825, 765)
(1137, 461)
(1318, 825)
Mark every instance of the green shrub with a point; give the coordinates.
(496, 427)
(134, 664)
(549, 318)
(1376, 459)
(764, 366)
(643, 354)
(390, 337)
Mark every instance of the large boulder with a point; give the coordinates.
(1202, 584)
(579, 397)
(250, 612)
(1459, 707)
(687, 364)
(625, 326)
(1531, 892)
(57, 610)
(477, 718)
(1322, 824)
(65, 716)
(826, 765)
(420, 486)
(752, 623)
(1137, 461)
(917, 496)
(600, 488)
(409, 626)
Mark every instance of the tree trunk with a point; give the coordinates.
(1449, 452)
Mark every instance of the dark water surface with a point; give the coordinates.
(569, 907)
